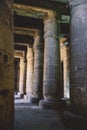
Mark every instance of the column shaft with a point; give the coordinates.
(30, 69)
(78, 54)
(22, 77)
(65, 68)
(38, 68)
(76, 117)
(6, 66)
(25, 72)
(66, 77)
(51, 80)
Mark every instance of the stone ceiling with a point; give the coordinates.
(63, 1)
(28, 15)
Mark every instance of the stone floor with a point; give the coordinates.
(31, 117)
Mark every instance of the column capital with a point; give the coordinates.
(51, 15)
(74, 3)
(29, 52)
(25, 60)
(38, 40)
(51, 25)
(38, 33)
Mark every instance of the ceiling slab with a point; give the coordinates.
(24, 31)
(23, 38)
(43, 6)
(29, 22)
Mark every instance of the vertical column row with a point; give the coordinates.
(51, 82)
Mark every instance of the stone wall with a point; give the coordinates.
(6, 66)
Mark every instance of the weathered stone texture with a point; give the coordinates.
(74, 3)
(22, 76)
(6, 66)
(30, 69)
(78, 56)
(51, 80)
(38, 66)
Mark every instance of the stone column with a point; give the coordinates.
(30, 69)
(78, 54)
(25, 70)
(6, 66)
(22, 84)
(77, 117)
(66, 77)
(38, 68)
(15, 75)
(51, 80)
(65, 68)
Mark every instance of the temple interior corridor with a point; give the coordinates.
(43, 65)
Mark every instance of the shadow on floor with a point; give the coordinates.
(32, 117)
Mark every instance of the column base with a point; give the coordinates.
(25, 97)
(35, 100)
(74, 121)
(52, 104)
(22, 95)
